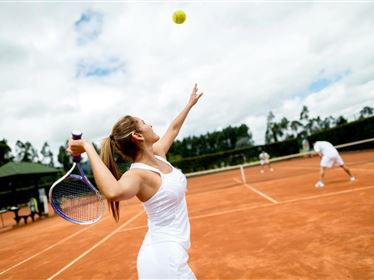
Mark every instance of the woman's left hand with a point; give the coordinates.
(194, 96)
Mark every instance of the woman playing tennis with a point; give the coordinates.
(156, 183)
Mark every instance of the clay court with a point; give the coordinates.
(275, 225)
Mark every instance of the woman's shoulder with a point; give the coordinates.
(136, 175)
(132, 172)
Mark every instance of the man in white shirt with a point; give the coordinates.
(329, 157)
(264, 159)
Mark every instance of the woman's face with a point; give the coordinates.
(147, 132)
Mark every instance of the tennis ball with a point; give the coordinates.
(179, 16)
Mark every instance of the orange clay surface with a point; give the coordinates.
(275, 226)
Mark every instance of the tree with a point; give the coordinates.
(304, 119)
(341, 120)
(26, 152)
(276, 131)
(47, 155)
(314, 125)
(295, 127)
(367, 111)
(328, 122)
(211, 142)
(5, 152)
(284, 126)
(64, 158)
(304, 114)
(246, 139)
(269, 125)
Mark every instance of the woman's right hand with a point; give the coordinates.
(77, 147)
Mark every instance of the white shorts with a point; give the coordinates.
(330, 161)
(166, 260)
(264, 161)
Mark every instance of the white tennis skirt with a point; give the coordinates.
(166, 260)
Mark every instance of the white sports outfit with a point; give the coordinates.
(264, 158)
(330, 155)
(164, 252)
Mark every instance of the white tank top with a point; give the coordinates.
(167, 208)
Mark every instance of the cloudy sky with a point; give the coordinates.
(83, 65)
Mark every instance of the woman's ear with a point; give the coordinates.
(137, 136)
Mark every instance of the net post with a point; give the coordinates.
(242, 174)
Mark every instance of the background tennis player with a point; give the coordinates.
(264, 159)
(329, 157)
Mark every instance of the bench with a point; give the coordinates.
(20, 217)
(40, 215)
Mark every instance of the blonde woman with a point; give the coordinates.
(155, 182)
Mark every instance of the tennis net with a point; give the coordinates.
(295, 164)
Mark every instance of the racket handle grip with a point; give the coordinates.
(76, 135)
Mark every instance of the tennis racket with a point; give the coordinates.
(74, 198)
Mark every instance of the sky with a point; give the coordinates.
(84, 65)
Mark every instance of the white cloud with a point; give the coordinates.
(130, 58)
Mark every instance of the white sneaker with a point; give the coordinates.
(319, 184)
(352, 179)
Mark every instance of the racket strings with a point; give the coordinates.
(77, 201)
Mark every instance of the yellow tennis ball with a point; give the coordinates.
(179, 16)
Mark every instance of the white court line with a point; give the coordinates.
(327, 194)
(133, 228)
(361, 169)
(300, 167)
(50, 247)
(96, 245)
(258, 192)
(261, 193)
(317, 168)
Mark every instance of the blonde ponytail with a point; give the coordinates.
(107, 156)
(119, 142)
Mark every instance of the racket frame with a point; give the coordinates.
(81, 177)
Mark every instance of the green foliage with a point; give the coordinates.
(235, 156)
(305, 126)
(366, 112)
(47, 155)
(64, 158)
(341, 120)
(5, 152)
(26, 152)
(337, 131)
(346, 133)
(227, 139)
